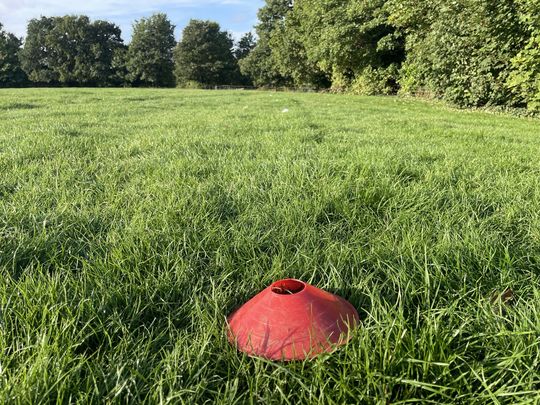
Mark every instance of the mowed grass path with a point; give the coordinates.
(133, 221)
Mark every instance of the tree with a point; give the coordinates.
(150, 54)
(68, 45)
(272, 15)
(71, 50)
(524, 78)
(352, 38)
(204, 55)
(345, 44)
(244, 46)
(119, 70)
(81, 52)
(460, 51)
(35, 55)
(107, 49)
(11, 73)
(260, 65)
(243, 49)
(290, 54)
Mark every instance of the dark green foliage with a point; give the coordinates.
(150, 55)
(71, 50)
(291, 53)
(272, 15)
(205, 55)
(35, 56)
(323, 43)
(468, 52)
(119, 66)
(242, 50)
(105, 48)
(244, 46)
(261, 65)
(460, 51)
(352, 36)
(11, 73)
(524, 80)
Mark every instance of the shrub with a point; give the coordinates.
(461, 51)
(524, 80)
(381, 81)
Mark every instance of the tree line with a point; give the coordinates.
(75, 51)
(468, 52)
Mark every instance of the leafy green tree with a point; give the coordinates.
(107, 45)
(352, 36)
(11, 73)
(204, 55)
(150, 54)
(460, 51)
(327, 42)
(290, 55)
(81, 52)
(524, 78)
(36, 58)
(119, 70)
(71, 50)
(244, 46)
(242, 50)
(260, 65)
(272, 15)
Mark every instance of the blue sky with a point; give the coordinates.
(236, 16)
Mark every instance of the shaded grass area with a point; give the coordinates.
(133, 221)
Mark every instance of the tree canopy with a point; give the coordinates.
(261, 65)
(244, 46)
(469, 52)
(11, 73)
(205, 55)
(71, 50)
(150, 54)
(459, 51)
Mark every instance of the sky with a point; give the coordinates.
(235, 16)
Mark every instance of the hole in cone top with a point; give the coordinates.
(287, 287)
(292, 320)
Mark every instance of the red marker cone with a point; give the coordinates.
(291, 320)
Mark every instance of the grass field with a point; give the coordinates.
(133, 221)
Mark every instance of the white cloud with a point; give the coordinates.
(15, 14)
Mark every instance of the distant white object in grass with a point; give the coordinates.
(285, 110)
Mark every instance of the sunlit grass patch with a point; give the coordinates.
(133, 221)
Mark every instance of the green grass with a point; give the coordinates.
(133, 221)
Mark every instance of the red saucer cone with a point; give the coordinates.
(291, 320)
